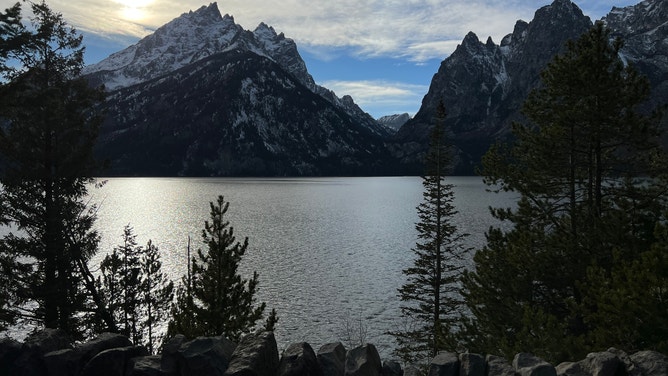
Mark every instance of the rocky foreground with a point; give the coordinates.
(50, 353)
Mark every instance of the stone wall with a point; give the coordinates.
(50, 353)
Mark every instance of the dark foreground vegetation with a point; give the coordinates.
(581, 264)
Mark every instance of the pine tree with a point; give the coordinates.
(157, 295)
(576, 166)
(122, 279)
(431, 293)
(47, 163)
(214, 297)
(137, 291)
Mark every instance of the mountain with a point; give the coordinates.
(203, 96)
(644, 30)
(483, 85)
(233, 114)
(394, 122)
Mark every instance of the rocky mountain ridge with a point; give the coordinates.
(202, 33)
(203, 97)
(394, 122)
(483, 85)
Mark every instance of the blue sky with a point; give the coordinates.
(381, 52)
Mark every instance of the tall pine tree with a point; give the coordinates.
(431, 298)
(46, 162)
(214, 298)
(580, 167)
(157, 295)
(136, 290)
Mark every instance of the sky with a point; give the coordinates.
(383, 53)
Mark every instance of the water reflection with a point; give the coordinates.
(327, 250)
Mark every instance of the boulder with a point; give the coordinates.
(256, 355)
(530, 365)
(411, 370)
(444, 364)
(299, 359)
(471, 365)
(113, 362)
(70, 362)
(631, 369)
(363, 361)
(602, 364)
(169, 362)
(651, 363)
(498, 366)
(570, 369)
(104, 341)
(146, 366)
(30, 360)
(10, 349)
(62, 363)
(47, 340)
(201, 356)
(332, 359)
(392, 368)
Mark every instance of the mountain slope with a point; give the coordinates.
(198, 34)
(483, 85)
(232, 114)
(203, 96)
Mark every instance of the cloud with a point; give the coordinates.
(412, 29)
(379, 94)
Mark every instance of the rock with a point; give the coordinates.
(570, 369)
(299, 359)
(444, 364)
(471, 365)
(529, 365)
(412, 371)
(47, 340)
(70, 362)
(256, 355)
(104, 341)
(498, 366)
(31, 358)
(392, 368)
(631, 369)
(113, 362)
(602, 364)
(62, 363)
(169, 362)
(651, 363)
(332, 359)
(203, 355)
(363, 361)
(9, 351)
(147, 366)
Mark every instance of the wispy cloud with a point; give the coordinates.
(411, 29)
(395, 97)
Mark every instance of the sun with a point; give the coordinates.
(133, 10)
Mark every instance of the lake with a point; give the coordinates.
(329, 251)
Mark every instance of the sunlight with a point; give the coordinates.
(133, 10)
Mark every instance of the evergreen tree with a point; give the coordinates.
(431, 292)
(579, 166)
(157, 295)
(122, 278)
(215, 299)
(46, 164)
(137, 291)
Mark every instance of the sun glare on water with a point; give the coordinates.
(133, 10)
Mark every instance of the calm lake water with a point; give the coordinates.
(329, 251)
